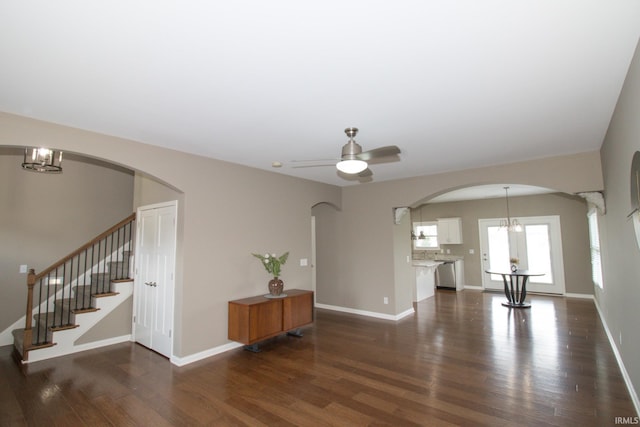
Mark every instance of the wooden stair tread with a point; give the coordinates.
(72, 295)
(39, 346)
(105, 294)
(84, 310)
(63, 328)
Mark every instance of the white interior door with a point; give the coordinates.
(538, 247)
(146, 271)
(155, 277)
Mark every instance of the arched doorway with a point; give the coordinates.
(325, 252)
(487, 202)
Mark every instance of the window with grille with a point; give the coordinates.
(594, 243)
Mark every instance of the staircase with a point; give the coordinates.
(73, 294)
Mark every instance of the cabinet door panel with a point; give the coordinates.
(449, 230)
(238, 329)
(265, 320)
(297, 311)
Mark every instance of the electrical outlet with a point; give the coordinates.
(621, 338)
(386, 300)
(472, 251)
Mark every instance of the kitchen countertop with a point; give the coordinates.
(426, 263)
(434, 260)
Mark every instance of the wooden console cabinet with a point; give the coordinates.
(257, 318)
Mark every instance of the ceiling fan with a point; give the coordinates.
(354, 161)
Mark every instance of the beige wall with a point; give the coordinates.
(45, 217)
(229, 212)
(573, 224)
(328, 253)
(115, 324)
(620, 299)
(404, 278)
(369, 266)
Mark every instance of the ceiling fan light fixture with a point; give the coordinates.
(351, 166)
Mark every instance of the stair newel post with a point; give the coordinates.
(28, 327)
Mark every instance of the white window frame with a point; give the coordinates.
(595, 248)
(418, 244)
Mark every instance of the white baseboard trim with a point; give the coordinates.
(405, 313)
(103, 343)
(477, 288)
(182, 361)
(367, 313)
(83, 347)
(625, 374)
(583, 296)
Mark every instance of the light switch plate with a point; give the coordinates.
(303, 262)
(23, 268)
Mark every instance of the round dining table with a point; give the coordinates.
(515, 286)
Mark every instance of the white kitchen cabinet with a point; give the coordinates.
(449, 231)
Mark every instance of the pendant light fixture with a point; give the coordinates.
(421, 236)
(413, 234)
(42, 160)
(510, 224)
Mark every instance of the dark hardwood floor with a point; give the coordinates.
(462, 359)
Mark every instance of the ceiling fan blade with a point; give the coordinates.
(376, 153)
(313, 163)
(313, 166)
(313, 160)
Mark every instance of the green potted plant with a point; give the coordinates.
(273, 264)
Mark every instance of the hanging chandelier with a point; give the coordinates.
(42, 160)
(510, 224)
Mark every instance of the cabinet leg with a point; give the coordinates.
(296, 333)
(253, 348)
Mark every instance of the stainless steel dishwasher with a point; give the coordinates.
(446, 275)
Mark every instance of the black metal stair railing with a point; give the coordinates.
(59, 292)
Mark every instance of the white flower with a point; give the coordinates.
(266, 256)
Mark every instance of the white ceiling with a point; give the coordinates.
(454, 84)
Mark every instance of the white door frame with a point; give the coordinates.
(557, 261)
(313, 257)
(137, 279)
